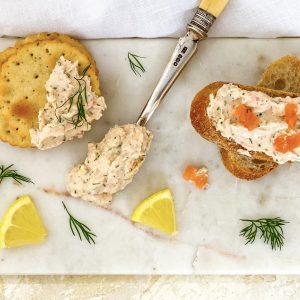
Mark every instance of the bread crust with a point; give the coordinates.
(245, 167)
(205, 127)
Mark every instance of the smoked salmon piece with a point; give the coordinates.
(199, 177)
(246, 117)
(291, 117)
(285, 143)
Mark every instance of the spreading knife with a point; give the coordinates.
(197, 30)
(186, 47)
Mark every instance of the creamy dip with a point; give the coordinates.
(110, 165)
(61, 119)
(270, 112)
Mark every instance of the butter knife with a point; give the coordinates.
(186, 47)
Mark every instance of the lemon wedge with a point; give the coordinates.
(157, 211)
(21, 224)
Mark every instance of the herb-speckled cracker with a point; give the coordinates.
(22, 85)
(57, 36)
(5, 54)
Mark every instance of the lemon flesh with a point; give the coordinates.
(157, 211)
(21, 224)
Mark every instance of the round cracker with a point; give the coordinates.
(46, 36)
(22, 86)
(55, 36)
(4, 55)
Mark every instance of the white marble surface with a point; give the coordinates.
(208, 221)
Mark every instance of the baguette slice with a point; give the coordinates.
(205, 127)
(282, 74)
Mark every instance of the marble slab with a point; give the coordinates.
(208, 240)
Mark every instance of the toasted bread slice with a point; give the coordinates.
(205, 127)
(282, 74)
(245, 167)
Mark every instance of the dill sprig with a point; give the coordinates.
(6, 172)
(80, 117)
(135, 64)
(79, 228)
(270, 231)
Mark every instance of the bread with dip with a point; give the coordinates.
(254, 121)
(282, 74)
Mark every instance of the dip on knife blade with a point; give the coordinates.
(110, 165)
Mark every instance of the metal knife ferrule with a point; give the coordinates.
(201, 23)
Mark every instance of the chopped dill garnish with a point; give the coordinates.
(79, 118)
(6, 172)
(270, 231)
(135, 64)
(80, 228)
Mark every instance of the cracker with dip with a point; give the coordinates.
(45, 85)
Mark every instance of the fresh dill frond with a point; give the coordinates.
(135, 64)
(8, 172)
(79, 228)
(270, 230)
(80, 117)
(85, 71)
